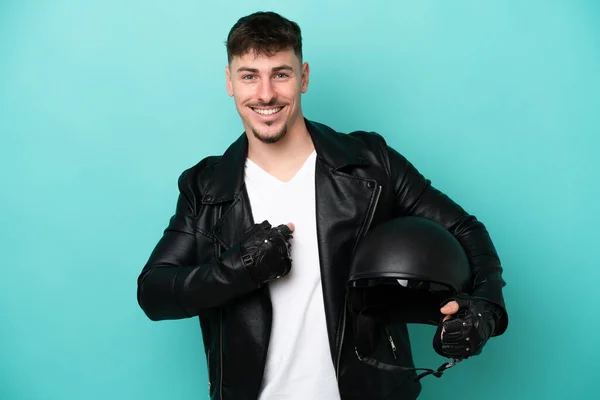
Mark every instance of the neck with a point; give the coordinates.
(285, 157)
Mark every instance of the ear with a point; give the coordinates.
(305, 75)
(228, 80)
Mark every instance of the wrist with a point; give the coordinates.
(237, 259)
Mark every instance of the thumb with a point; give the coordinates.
(291, 226)
(450, 308)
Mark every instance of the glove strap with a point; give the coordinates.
(247, 260)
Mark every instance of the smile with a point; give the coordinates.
(268, 111)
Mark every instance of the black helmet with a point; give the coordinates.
(401, 272)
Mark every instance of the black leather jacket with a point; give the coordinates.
(360, 182)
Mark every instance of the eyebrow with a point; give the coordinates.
(274, 69)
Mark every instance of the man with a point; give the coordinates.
(262, 237)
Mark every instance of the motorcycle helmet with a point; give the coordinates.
(401, 272)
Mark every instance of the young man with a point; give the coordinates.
(262, 237)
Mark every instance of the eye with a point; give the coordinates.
(247, 77)
(282, 75)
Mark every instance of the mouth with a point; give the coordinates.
(269, 112)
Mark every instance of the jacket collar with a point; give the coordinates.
(228, 179)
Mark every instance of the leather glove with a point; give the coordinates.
(266, 252)
(466, 332)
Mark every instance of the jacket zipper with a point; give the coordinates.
(391, 340)
(208, 365)
(221, 354)
(364, 231)
(219, 250)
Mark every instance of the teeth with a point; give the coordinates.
(267, 112)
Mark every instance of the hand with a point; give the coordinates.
(467, 326)
(266, 251)
(449, 310)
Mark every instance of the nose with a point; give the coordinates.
(266, 92)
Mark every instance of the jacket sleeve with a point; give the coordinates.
(416, 196)
(171, 284)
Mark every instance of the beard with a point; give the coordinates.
(269, 139)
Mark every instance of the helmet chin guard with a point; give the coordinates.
(401, 272)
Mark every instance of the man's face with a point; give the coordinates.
(267, 92)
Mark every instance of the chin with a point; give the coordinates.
(270, 137)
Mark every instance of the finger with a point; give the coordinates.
(456, 330)
(446, 318)
(256, 228)
(456, 350)
(450, 308)
(456, 324)
(284, 230)
(453, 337)
(265, 224)
(291, 226)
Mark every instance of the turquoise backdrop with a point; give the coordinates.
(104, 103)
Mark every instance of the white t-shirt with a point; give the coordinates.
(299, 365)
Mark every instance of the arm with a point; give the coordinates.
(415, 196)
(172, 286)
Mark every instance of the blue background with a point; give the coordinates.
(103, 104)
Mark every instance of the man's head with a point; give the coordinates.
(265, 74)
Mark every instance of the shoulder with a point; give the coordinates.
(195, 178)
(378, 145)
(375, 148)
(359, 138)
(371, 145)
(368, 139)
(359, 143)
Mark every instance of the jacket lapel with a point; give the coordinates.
(235, 220)
(227, 189)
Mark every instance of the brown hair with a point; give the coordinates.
(264, 33)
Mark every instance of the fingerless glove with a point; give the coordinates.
(265, 252)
